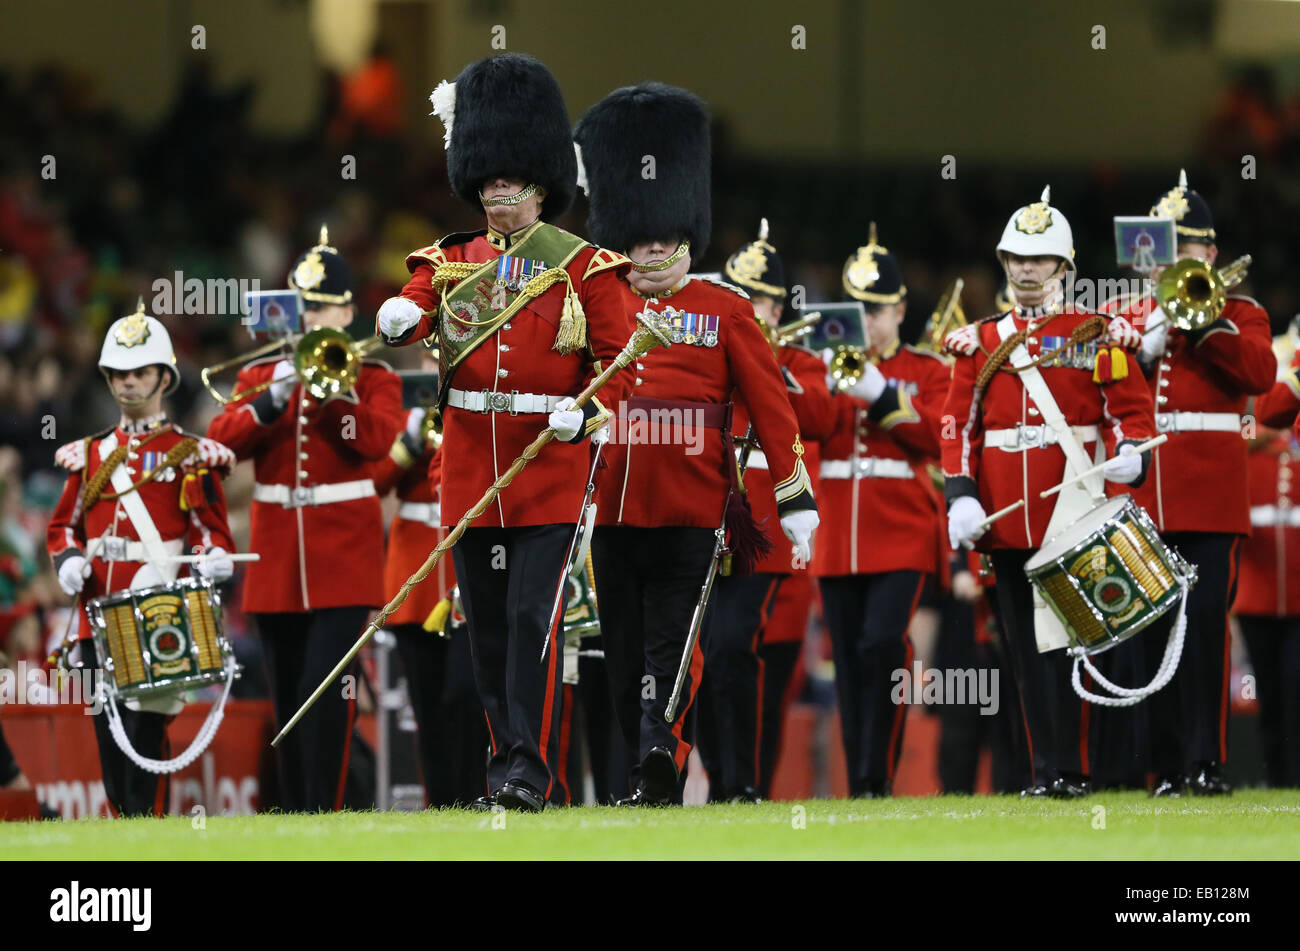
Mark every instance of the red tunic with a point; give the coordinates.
(1269, 579)
(314, 555)
(667, 470)
(1121, 409)
(479, 447)
(186, 503)
(884, 523)
(1279, 406)
(410, 540)
(1197, 481)
(806, 388)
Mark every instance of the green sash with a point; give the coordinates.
(479, 304)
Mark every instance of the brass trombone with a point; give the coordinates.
(847, 366)
(1193, 294)
(947, 317)
(783, 334)
(326, 360)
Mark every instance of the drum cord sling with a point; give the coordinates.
(207, 732)
(1128, 696)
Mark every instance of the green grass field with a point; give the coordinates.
(1249, 825)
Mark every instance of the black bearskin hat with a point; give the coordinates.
(504, 115)
(646, 155)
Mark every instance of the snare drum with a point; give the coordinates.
(161, 640)
(1108, 575)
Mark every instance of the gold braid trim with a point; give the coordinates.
(450, 271)
(1090, 329)
(94, 490)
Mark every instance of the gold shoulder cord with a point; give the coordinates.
(1090, 329)
(94, 490)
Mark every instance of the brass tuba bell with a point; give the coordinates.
(1193, 294)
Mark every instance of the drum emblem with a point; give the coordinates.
(1112, 594)
(167, 644)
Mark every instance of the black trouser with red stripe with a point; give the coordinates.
(1274, 647)
(867, 617)
(1053, 713)
(301, 649)
(452, 737)
(647, 584)
(130, 790)
(508, 581)
(1189, 717)
(729, 718)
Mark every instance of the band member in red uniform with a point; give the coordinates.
(137, 495)
(1035, 394)
(672, 472)
(507, 307)
(876, 491)
(1268, 598)
(1198, 495)
(452, 736)
(738, 685)
(317, 524)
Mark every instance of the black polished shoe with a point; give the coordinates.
(659, 776)
(639, 798)
(1207, 780)
(1070, 786)
(1036, 791)
(483, 803)
(746, 794)
(1169, 787)
(518, 796)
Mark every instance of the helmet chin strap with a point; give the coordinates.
(163, 370)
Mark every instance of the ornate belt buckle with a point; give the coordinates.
(114, 549)
(301, 495)
(1028, 436)
(498, 402)
(1164, 422)
(865, 466)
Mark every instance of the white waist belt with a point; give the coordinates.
(1198, 422)
(113, 548)
(1033, 437)
(430, 513)
(1264, 515)
(867, 469)
(292, 498)
(514, 402)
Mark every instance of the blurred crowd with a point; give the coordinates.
(93, 211)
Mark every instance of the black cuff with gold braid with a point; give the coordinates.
(893, 406)
(804, 500)
(64, 555)
(795, 492)
(594, 416)
(957, 487)
(265, 410)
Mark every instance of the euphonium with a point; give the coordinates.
(1193, 294)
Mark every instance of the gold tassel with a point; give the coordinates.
(572, 334)
(1118, 363)
(436, 622)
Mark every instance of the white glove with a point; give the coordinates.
(964, 341)
(72, 575)
(1124, 467)
(565, 420)
(1154, 336)
(415, 423)
(285, 379)
(215, 565)
(799, 526)
(397, 315)
(871, 384)
(964, 520)
(1121, 333)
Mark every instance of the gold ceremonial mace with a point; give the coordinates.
(649, 334)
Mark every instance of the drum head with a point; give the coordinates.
(1080, 530)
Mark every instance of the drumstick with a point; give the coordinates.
(195, 559)
(1001, 512)
(1140, 447)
